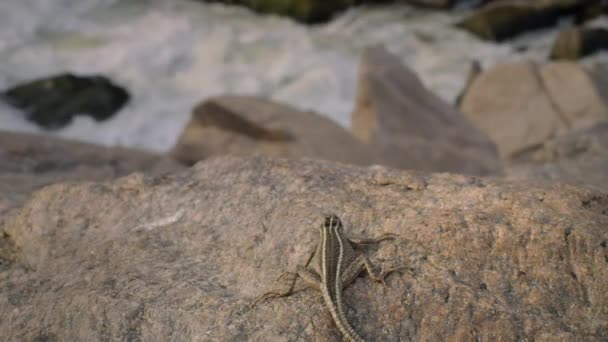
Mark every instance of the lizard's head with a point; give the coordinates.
(332, 222)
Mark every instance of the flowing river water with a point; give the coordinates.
(170, 55)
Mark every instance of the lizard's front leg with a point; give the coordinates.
(369, 241)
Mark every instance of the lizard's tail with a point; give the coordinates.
(337, 313)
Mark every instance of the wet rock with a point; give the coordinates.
(52, 102)
(592, 11)
(308, 11)
(410, 126)
(182, 256)
(317, 11)
(432, 3)
(521, 105)
(28, 162)
(245, 126)
(500, 20)
(577, 42)
(580, 158)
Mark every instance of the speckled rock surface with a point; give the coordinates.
(180, 257)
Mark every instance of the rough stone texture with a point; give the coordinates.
(499, 20)
(181, 257)
(412, 127)
(521, 105)
(29, 162)
(579, 158)
(577, 42)
(241, 125)
(52, 102)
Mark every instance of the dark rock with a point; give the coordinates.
(52, 102)
(500, 20)
(431, 3)
(308, 11)
(181, 257)
(241, 125)
(318, 11)
(521, 105)
(577, 42)
(592, 11)
(413, 128)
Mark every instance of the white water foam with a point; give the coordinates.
(171, 55)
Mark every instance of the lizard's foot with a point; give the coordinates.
(381, 277)
(277, 293)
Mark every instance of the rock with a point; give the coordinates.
(52, 102)
(28, 162)
(308, 11)
(500, 20)
(577, 42)
(181, 257)
(592, 11)
(521, 105)
(318, 11)
(473, 73)
(412, 127)
(432, 3)
(578, 158)
(241, 125)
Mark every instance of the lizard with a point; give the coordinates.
(334, 266)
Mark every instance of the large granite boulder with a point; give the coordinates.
(181, 257)
(521, 105)
(52, 102)
(243, 125)
(28, 162)
(411, 127)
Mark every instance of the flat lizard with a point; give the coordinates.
(333, 268)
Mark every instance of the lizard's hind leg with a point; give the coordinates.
(276, 292)
(303, 272)
(361, 262)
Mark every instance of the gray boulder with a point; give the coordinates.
(411, 127)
